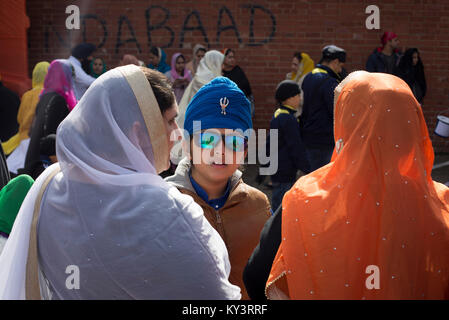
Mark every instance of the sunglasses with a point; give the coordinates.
(209, 140)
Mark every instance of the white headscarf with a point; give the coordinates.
(107, 212)
(209, 68)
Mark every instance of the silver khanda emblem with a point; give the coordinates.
(224, 102)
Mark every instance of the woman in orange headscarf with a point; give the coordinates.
(371, 224)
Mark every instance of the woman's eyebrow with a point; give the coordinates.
(173, 118)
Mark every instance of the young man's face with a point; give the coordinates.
(294, 101)
(337, 66)
(216, 164)
(394, 43)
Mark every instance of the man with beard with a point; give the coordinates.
(80, 59)
(385, 58)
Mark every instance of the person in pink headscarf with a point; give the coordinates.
(59, 79)
(179, 75)
(56, 101)
(385, 58)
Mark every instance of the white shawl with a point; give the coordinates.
(109, 214)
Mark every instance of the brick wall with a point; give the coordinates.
(264, 33)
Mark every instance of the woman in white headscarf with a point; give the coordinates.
(198, 53)
(209, 68)
(109, 226)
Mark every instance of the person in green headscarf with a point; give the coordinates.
(97, 67)
(11, 198)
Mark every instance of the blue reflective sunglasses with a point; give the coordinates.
(209, 140)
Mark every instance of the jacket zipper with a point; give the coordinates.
(218, 217)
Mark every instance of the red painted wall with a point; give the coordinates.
(264, 33)
(13, 44)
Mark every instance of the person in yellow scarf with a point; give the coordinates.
(25, 118)
(30, 99)
(302, 64)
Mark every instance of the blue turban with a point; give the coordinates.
(219, 104)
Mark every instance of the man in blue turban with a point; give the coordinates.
(215, 127)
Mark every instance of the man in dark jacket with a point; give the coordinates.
(385, 59)
(317, 118)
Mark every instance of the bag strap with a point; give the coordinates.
(32, 290)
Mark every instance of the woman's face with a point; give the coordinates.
(180, 64)
(415, 58)
(139, 134)
(97, 66)
(295, 64)
(229, 60)
(154, 60)
(170, 123)
(200, 55)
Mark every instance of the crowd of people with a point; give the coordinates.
(88, 180)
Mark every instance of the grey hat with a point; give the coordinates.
(333, 52)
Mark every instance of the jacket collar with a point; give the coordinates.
(329, 71)
(290, 109)
(181, 180)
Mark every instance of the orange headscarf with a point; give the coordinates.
(375, 204)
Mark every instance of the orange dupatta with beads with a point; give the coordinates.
(374, 206)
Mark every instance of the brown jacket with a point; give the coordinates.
(239, 221)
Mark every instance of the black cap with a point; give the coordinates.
(286, 89)
(333, 52)
(83, 50)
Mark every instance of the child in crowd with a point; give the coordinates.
(237, 211)
(291, 151)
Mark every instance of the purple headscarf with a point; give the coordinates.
(59, 80)
(175, 75)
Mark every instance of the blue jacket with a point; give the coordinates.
(375, 62)
(291, 151)
(317, 118)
